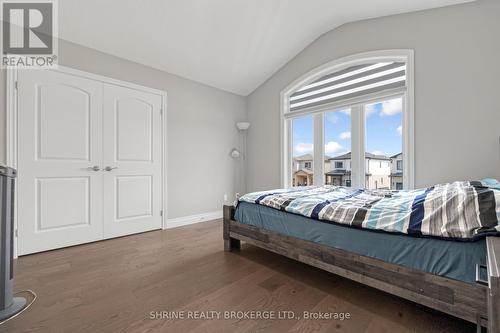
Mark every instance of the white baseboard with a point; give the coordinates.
(186, 220)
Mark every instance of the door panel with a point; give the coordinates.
(134, 145)
(59, 138)
(132, 148)
(63, 135)
(62, 203)
(134, 197)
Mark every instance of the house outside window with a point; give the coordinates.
(364, 100)
(397, 172)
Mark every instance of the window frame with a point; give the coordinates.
(357, 118)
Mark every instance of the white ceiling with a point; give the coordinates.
(234, 45)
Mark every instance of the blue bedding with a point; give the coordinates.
(462, 210)
(451, 259)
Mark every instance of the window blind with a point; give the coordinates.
(348, 83)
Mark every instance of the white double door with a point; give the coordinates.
(89, 160)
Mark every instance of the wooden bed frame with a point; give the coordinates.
(478, 303)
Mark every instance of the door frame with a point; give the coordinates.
(11, 146)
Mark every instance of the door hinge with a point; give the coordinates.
(161, 212)
(16, 85)
(161, 112)
(16, 233)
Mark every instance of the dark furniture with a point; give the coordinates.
(478, 303)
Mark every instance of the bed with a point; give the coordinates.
(456, 275)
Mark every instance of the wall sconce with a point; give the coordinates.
(241, 181)
(235, 153)
(242, 125)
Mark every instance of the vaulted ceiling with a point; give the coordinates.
(234, 45)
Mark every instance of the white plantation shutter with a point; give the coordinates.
(349, 83)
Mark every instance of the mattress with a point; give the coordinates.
(446, 258)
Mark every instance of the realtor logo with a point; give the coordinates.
(29, 34)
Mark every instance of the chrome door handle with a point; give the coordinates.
(94, 168)
(108, 168)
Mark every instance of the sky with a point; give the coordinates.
(383, 130)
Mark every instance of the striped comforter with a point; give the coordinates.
(460, 210)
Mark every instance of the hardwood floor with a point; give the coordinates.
(112, 286)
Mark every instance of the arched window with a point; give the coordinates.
(350, 123)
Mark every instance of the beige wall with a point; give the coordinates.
(457, 112)
(456, 109)
(201, 127)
